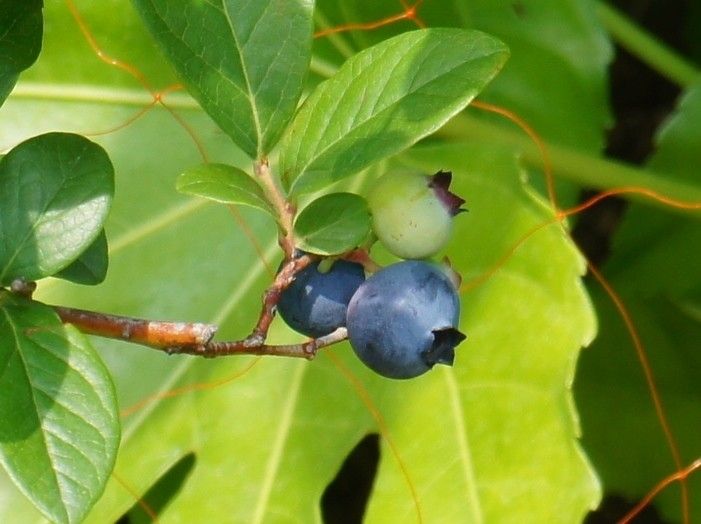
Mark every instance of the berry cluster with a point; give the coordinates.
(402, 319)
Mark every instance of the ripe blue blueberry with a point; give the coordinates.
(402, 320)
(412, 214)
(315, 303)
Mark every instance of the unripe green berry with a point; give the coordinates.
(412, 214)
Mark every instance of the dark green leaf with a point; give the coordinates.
(245, 62)
(656, 269)
(55, 192)
(21, 27)
(59, 424)
(333, 224)
(90, 268)
(222, 183)
(383, 100)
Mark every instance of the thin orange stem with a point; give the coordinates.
(677, 476)
(654, 195)
(410, 13)
(141, 502)
(650, 380)
(620, 306)
(190, 388)
(133, 71)
(562, 214)
(366, 399)
(534, 136)
(486, 275)
(141, 112)
(251, 238)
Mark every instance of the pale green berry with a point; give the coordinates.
(412, 213)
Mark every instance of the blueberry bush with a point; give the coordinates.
(288, 132)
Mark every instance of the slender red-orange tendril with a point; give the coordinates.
(651, 383)
(238, 217)
(410, 13)
(674, 477)
(366, 399)
(620, 306)
(560, 215)
(142, 503)
(190, 388)
(633, 332)
(157, 98)
(534, 136)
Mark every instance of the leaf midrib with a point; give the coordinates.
(244, 69)
(281, 439)
(464, 447)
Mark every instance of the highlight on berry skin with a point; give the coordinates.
(315, 303)
(403, 319)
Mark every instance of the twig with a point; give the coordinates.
(186, 338)
(271, 297)
(285, 209)
(305, 350)
(196, 338)
(173, 337)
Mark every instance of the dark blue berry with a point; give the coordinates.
(402, 320)
(315, 303)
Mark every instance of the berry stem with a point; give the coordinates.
(272, 296)
(362, 257)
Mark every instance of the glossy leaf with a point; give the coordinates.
(224, 184)
(55, 192)
(500, 445)
(21, 26)
(59, 427)
(385, 99)
(333, 224)
(245, 62)
(556, 77)
(90, 268)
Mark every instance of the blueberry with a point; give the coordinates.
(315, 303)
(402, 320)
(412, 214)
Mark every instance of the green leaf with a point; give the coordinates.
(21, 26)
(385, 99)
(655, 268)
(333, 224)
(224, 184)
(245, 62)
(500, 416)
(55, 192)
(557, 76)
(90, 268)
(59, 425)
(512, 458)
